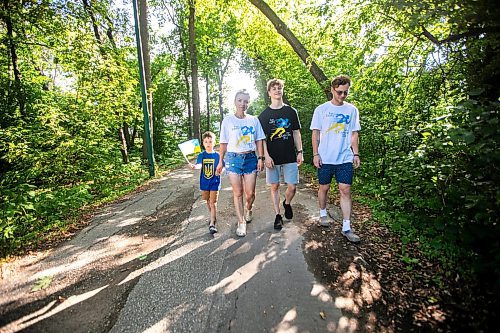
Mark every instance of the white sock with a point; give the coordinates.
(322, 212)
(346, 225)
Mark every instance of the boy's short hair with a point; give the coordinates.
(208, 134)
(275, 82)
(340, 80)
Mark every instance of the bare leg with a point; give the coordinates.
(249, 182)
(275, 197)
(345, 200)
(237, 185)
(290, 193)
(213, 212)
(323, 195)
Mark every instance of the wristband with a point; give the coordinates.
(356, 155)
(316, 155)
(299, 152)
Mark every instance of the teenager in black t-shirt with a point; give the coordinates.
(282, 148)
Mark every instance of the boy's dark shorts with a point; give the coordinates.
(343, 173)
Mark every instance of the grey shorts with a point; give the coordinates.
(290, 173)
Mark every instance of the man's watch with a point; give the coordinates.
(263, 158)
(299, 152)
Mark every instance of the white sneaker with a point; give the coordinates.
(248, 216)
(351, 236)
(241, 231)
(325, 221)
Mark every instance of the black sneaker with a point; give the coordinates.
(288, 210)
(278, 222)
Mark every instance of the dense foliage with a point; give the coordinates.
(425, 79)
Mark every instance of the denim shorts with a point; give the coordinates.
(241, 164)
(290, 173)
(343, 173)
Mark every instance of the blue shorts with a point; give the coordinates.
(343, 173)
(290, 173)
(241, 164)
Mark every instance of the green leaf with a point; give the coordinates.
(42, 283)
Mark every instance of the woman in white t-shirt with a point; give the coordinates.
(241, 135)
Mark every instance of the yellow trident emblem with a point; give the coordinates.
(208, 167)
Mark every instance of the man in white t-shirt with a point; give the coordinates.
(335, 141)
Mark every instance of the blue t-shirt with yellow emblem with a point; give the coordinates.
(208, 180)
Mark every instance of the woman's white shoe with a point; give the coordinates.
(242, 230)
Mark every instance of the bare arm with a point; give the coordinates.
(315, 145)
(355, 148)
(269, 160)
(260, 152)
(222, 153)
(297, 139)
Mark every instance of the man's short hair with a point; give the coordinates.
(208, 134)
(340, 80)
(275, 82)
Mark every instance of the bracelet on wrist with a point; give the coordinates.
(316, 155)
(299, 152)
(356, 155)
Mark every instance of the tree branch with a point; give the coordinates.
(473, 32)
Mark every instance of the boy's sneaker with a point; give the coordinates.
(288, 210)
(351, 236)
(241, 231)
(325, 221)
(248, 216)
(212, 229)
(278, 222)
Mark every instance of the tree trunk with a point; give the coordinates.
(297, 46)
(194, 71)
(144, 30)
(11, 45)
(207, 91)
(221, 72)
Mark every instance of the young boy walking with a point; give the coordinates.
(209, 180)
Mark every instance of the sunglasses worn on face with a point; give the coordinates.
(341, 92)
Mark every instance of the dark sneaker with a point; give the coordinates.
(212, 229)
(351, 236)
(288, 210)
(278, 222)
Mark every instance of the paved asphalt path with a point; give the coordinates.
(195, 282)
(258, 283)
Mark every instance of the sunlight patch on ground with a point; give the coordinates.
(347, 325)
(313, 245)
(240, 276)
(286, 325)
(90, 256)
(174, 255)
(129, 221)
(225, 245)
(321, 293)
(164, 324)
(46, 311)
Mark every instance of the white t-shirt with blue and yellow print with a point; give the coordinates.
(241, 134)
(336, 124)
